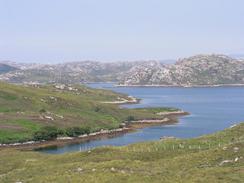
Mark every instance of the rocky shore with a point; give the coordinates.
(180, 112)
(182, 86)
(168, 118)
(129, 100)
(60, 141)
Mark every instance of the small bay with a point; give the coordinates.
(211, 109)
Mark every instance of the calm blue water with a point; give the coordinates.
(212, 109)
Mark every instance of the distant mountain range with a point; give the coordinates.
(5, 68)
(237, 56)
(192, 71)
(197, 70)
(71, 72)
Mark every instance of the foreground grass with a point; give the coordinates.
(24, 110)
(193, 160)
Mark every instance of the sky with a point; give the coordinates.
(51, 31)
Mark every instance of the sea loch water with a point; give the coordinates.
(212, 109)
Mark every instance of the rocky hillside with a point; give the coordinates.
(72, 72)
(27, 110)
(196, 70)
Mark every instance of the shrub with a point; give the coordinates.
(97, 109)
(130, 118)
(42, 111)
(46, 133)
(76, 131)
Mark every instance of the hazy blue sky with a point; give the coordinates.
(107, 30)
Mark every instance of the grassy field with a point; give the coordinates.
(25, 110)
(213, 158)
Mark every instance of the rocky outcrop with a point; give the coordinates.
(196, 70)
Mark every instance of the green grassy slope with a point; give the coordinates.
(24, 110)
(193, 160)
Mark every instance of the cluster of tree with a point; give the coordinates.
(130, 118)
(76, 131)
(52, 132)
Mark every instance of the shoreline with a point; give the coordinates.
(62, 141)
(169, 118)
(182, 86)
(129, 100)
